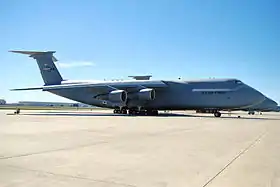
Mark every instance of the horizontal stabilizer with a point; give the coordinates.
(45, 61)
(22, 89)
(33, 53)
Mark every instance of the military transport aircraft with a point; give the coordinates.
(146, 97)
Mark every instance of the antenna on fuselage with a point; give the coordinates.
(141, 77)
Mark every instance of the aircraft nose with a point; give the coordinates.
(251, 96)
(257, 97)
(274, 105)
(271, 103)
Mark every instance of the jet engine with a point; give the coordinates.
(118, 96)
(143, 94)
(114, 96)
(146, 94)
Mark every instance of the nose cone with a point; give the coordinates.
(270, 105)
(265, 105)
(250, 97)
(275, 108)
(275, 103)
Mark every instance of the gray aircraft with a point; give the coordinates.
(146, 96)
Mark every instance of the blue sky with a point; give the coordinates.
(168, 39)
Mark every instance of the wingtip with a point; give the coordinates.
(30, 52)
(25, 89)
(12, 51)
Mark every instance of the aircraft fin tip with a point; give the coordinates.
(31, 52)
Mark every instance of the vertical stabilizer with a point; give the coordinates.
(45, 61)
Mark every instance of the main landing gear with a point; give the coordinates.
(211, 111)
(136, 112)
(120, 111)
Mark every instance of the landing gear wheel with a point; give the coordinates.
(123, 111)
(217, 114)
(251, 112)
(154, 112)
(132, 112)
(149, 112)
(117, 111)
(142, 112)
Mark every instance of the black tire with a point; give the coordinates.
(217, 114)
(142, 112)
(124, 111)
(154, 112)
(132, 112)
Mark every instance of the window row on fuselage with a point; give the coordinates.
(213, 92)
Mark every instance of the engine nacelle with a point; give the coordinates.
(117, 96)
(146, 94)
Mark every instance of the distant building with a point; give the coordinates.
(51, 104)
(2, 102)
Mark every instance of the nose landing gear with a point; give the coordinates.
(251, 112)
(120, 111)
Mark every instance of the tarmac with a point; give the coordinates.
(97, 148)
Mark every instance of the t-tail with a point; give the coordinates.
(45, 61)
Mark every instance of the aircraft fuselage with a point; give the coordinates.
(179, 95)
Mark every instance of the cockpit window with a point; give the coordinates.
(238, 82)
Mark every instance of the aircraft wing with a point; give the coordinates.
(23, 89)
(103, 88)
